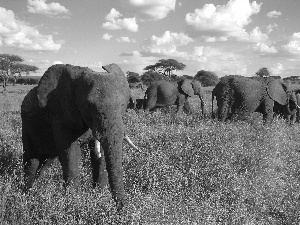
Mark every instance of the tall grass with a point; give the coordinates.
(189, 170)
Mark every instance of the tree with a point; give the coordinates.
(263, 72)
(10, 66)
(133, 77)
(207, 78)
(152, 76)
(166, 66)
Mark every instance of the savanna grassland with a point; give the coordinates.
(190, 170)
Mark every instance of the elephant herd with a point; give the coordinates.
(69, 100)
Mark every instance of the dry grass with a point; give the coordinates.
(189, 170)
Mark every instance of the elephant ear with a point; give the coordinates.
(113, 68)
(48, 83)
(187, 87)
(278, 91)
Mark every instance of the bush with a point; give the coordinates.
(28, 80)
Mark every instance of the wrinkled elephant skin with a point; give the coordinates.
(68, 101)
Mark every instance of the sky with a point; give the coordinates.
(223, 36)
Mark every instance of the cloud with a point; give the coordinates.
(277, 69)
(114, 23)
(41, 7)
(294, 44)
(166, 44)
(274, 14)
(17, 34)
(254, 36)
(223, 20)
(150, 10)
(57, 62)
(263, 48)
(271, 27)
(125, 39)
(107, 36)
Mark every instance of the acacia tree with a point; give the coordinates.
(166, 67)
(263, 72)
(12, 66)
(207, 78)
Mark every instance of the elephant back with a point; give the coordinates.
(277, 91)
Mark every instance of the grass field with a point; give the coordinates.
(190, 170)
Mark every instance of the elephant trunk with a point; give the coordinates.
(110, 133)
(203, 106)
(288, 109)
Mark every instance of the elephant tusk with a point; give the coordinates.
(297, 105)
(97, 148)
(126, 138)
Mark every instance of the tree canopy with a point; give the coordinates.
(207, 78)
(151, 76)
(14, 63)
(166, 66)
(263, 72)
(133, 77)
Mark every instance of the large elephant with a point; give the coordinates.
(164, 93)
(67, 102)
(238, 97)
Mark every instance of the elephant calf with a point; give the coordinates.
(165, 93)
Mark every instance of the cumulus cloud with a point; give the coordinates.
(277, 69)
(294, 44)
(125, 39)
(223, 20)
(166, 44)
(57, 62)
(114, 23)
(219, 61)
(107, 36)
(150, 10)
(255, 35)
(17, 34)
(271, 27)
(274, 14)
(264, 48)
(41, 7)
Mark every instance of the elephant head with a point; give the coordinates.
(283, 95)
(192, 88)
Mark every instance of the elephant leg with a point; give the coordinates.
(267, 109)
(223, 108)
(30, 168)
(68, 153)
(150, 103)
(99, 171)
(187, 107)
(30, 160)
(69, 159)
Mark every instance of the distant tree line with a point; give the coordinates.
(163, 70)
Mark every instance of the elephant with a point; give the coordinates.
(296, 117)
(238, 97)
(165, 93)
(131, 102)
(67, 102)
